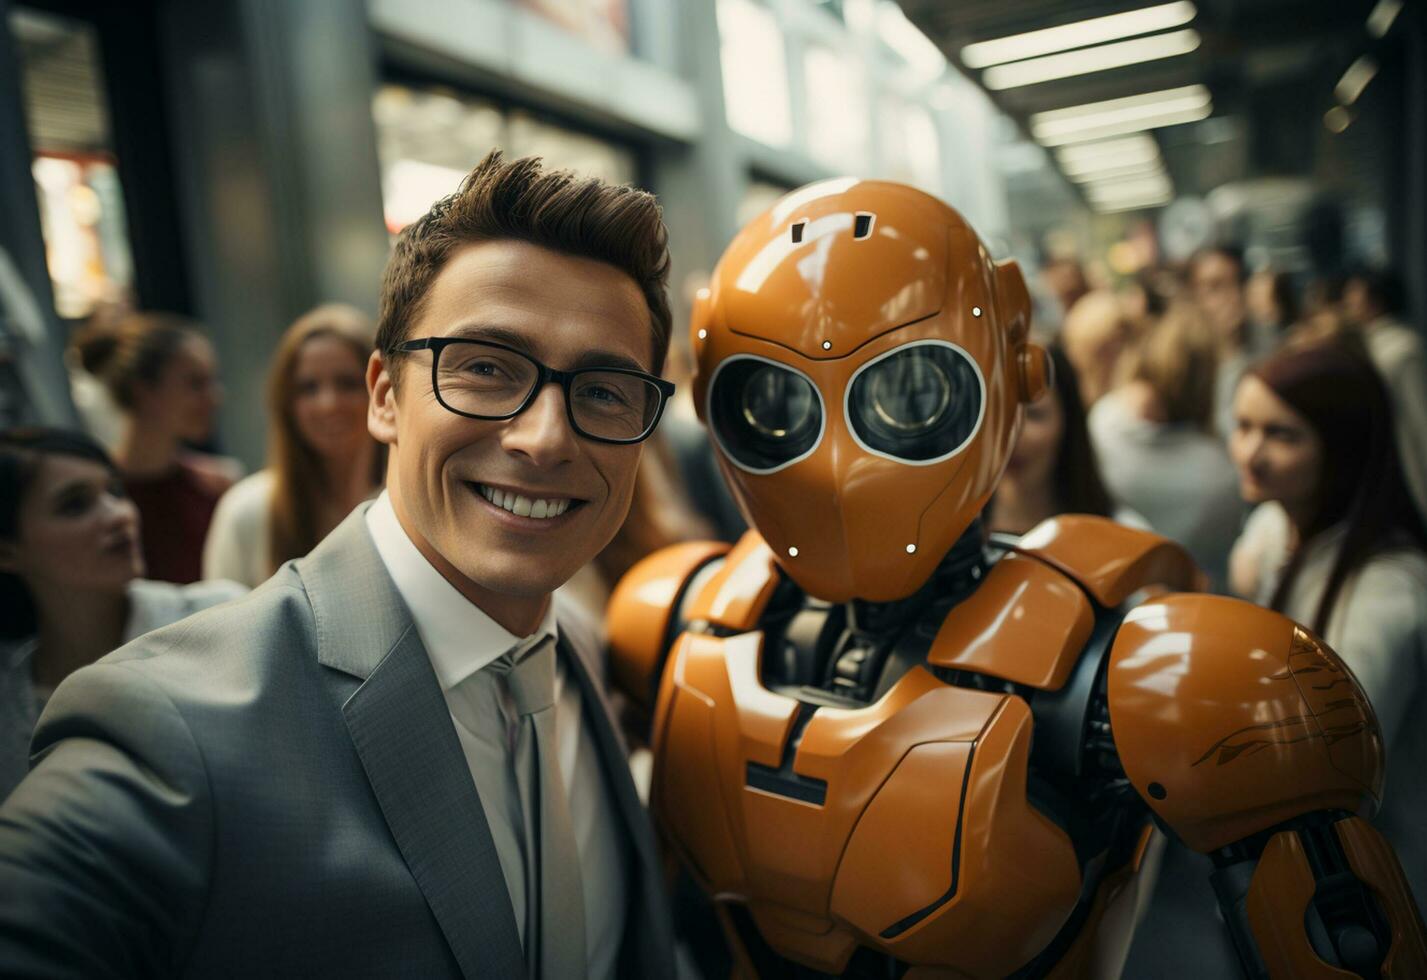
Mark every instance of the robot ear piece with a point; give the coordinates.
(1035, 371)
(1013, 301)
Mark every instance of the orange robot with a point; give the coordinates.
(888, 745)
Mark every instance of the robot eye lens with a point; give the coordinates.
(765, 416)
(919, 403)
(910, 395)
(777, 404)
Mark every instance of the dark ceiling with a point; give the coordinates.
(1270, 66)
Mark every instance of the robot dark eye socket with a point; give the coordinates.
(918, 404)
(764, 415)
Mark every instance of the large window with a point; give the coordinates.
(909, 145)
(76, 179)
(755, 72)
(428, 139)
(837, 112)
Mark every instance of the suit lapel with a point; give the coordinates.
(654, 930)
(403, 734)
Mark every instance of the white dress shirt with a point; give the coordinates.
(461, 640)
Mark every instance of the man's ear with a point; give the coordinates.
(381, 404)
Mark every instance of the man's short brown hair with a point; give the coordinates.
(556, 209)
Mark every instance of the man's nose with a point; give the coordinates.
(543, 432)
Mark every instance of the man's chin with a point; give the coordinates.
(516, 577)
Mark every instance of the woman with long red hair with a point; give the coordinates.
(1337, 544)
(322, 462)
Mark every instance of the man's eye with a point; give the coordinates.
(603, 393)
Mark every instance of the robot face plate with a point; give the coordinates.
(860, 368)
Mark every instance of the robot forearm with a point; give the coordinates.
(1324, 897)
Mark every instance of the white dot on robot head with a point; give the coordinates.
(793, 552)
(703, 334)
(976, 311)
(827, 345)
(911, 549)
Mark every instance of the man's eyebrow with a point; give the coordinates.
(604, 358)
(593, 357)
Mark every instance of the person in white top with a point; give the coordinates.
(1373, 301)
(1154, 438)
(1337, 544)
(70, 576)
(322, 462)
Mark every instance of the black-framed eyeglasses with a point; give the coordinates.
(481, 379)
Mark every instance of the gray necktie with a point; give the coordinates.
(555, 903)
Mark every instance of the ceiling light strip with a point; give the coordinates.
(1119, 127)
(1161, 97)
(1113, 173)
(1354, 80)
(1140, 146)
(1143, 205)
(1096, 30)
(1088, 60)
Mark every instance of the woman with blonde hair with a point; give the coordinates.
(322, 462)
(1154, 437)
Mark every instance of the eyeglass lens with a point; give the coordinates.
(482, 380)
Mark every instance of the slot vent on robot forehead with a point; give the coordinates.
(862, 225)
(797, 231)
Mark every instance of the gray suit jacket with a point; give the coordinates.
(275, 788)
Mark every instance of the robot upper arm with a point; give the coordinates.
(1252, 742)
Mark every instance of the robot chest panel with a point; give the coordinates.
(902, 825)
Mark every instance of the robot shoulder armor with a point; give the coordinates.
(1027, 622)
(698, 581)
(1230, 719)
(640, 616)
(1109, 560)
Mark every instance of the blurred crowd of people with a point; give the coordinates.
(1279, 434)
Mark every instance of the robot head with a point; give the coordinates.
(861, 363)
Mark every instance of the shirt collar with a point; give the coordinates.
(459, 637)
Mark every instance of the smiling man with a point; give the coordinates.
(394, 758)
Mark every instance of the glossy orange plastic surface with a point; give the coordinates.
(639, 612)
(1110, 560)
(1229, 719)
(1374, 862)
(799, 286)
(739, 590)
(1026, 623)
(1278, 897)
(916, 837)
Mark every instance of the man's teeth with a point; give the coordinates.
(524, 506)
